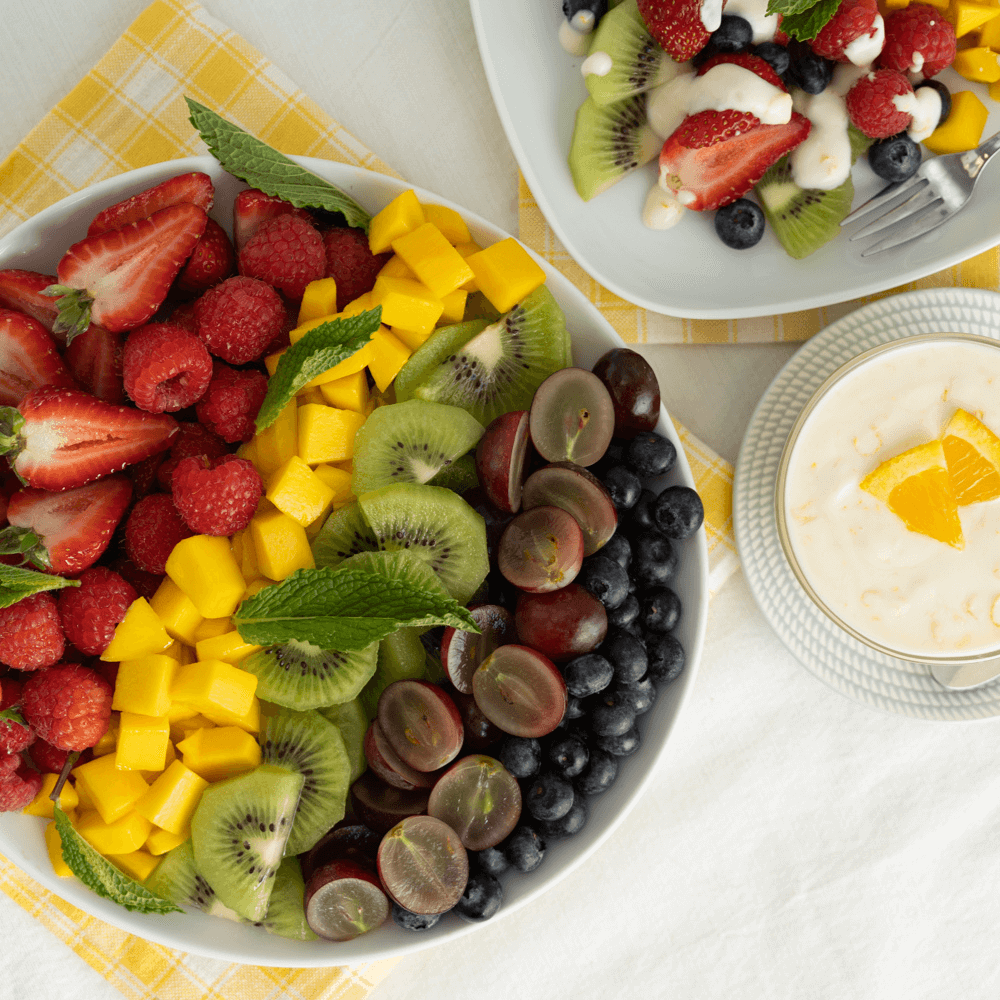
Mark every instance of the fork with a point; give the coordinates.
(940, 187)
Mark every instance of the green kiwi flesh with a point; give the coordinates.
(442, 342)
(410, 442)
(610, 141)
(459, 476)
(309, 744)
(286, 914)
(344, 533)
(239, 831)
(178, 879)
(499, 369)
(351, 722)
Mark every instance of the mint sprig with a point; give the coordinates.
(101, 876)
(349, 606)
(264, 168)
(17, 583)
(806, 24)
(318, 351)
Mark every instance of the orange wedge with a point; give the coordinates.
(972, 452)
(917, 488)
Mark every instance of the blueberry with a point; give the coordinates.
(574, 710)
(809, 71)
(655, 562)
(775, 55)
(521, 755)
(588, 674)
(605, 579)
(626, 654)
(568, 755)
(413, 921)
(943, 92)
(650, 454)
(620, 745)
(610, 715)
(666, 658)
(573, 822)
(596, 7)
(491, 860)
(640, 696)
(481, 899)
(678, 511)
(549, 796)
(524, 848)
(734, 34)
(634, 628)
(617, 547)
(599, 774)
(661, 610)
(740, 224)
(625, 614)
(640, 517)
(894, 159)
(623, 485)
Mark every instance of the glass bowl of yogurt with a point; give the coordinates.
(899, 592)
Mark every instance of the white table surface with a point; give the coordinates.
(794, 844)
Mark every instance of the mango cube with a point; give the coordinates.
(220, 753)
(172, 798)
(143, 684)
(963, 128)
(204, 568)
(160, 841)
(390, 356)
(181, 729)
(402, 215)
(121, 836)
(454, 307)
(407, 303)
(298, 492)
(218, 690)
(109, 738)
(171, 755)
(505, 273)
(451, 224)
(246, 555)
(271, 364)
(468, 249)
(319, 299)
(338, 480)
(276, 443)
(967, 16)
(142, 742)
(256, 586)
(281, 543)
(357, 362)
(139, 633)
(347, 393)
(53, 844)
(230, 648)
(433, 259)
(42, 805)
(989, 34)
(326, 434)
(410, 338)
(175, 609)
(137, 864)
(113, 791)
(211, 627)
(978, 63)
(396, 267)
(309, 395)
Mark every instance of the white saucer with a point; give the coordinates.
(833, 656)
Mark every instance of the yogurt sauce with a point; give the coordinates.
(902, 589)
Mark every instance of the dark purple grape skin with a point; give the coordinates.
(678, 512)
(625, 614)
(521, 755)
(380, 806)
(634, 390)
(605, 579)
(588, 674)
(524, 848)
(650, 454)
(627, 655)
(610, 715)
(562, 624)
(480, 733)
(621, 745)
(573, 822)
(414, 921)
(623, 485)
(482, 898)
(567, 755)
(351, 842)
(655, 562)
(661, 610)
(666, 658)
(599, 774)
(548, 796)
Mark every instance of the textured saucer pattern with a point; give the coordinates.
(836, 658)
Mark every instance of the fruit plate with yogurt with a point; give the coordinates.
(38, 245)
(686, 271)
(845, 662)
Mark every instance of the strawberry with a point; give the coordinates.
(715, 157)
(192, 189)
(65, 532)
(676, 25)
(753, 63)
(95, 359)
(60, 438)
(212, 261)
(252, 208)
(24, 291)
(853, 19)
(28, 358)
(120, 277)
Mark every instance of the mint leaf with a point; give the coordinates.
(788, 7)
(13, 715)
(318, 351)
(17, 583)
(348, 606)
(269, 171)
(100, 875)
(807, 24)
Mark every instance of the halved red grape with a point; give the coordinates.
(480, 733)
(423, 865)
(572, 417)
(520, 690)
(563, 624)
(500, 459)
(345, 842)
(577, 492)
(462, 652)
(634, 391)
(541, 549)
(344, 900)
(380, 806)
(388, 765)
(421, 724)
(479, 799)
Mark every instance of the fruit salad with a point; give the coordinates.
(332, 592)
(772, 99)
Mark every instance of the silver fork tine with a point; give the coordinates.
(918, 201)
(889, 196)
(915, 225)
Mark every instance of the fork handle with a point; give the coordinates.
(975, 159)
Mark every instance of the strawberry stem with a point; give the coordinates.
(11, 423)
(74, 310)
(24, 542)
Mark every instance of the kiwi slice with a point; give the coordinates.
(499, 369)
(637, 61)
(459, 476)
(345, 533)
(286, 913)
(441, 343)
(178, 879)
(401, 656)
(301, 676)
(351, 721)
(239, 831)
(610, 141)
(434, 524)
(410, 442)
(477, 306)
(309, 744)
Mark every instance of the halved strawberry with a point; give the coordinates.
(28, 358)
(24, 291)
(60, 438)
(252, 208)
(715, 157)
(192, 189)
(676, 25)
(65, 532)
(120, 277)
(755, 64)
(95, 359)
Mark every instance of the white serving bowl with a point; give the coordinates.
(37, 245)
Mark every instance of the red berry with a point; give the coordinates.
(252, 208)
(286, 252)
(231, 402)
(69, 706)
(14, 736)
(153, 529)
(183, 316)
(217, 498)
(18, 784)
(212, 260)
(853, 19)
(146, 584)
(91, 612)
(47, 758)
(192, 439)
(351, 264)
(870, 104)
(31, 634)
(756, 65)
(238, 319)
(918, 34)
(165, 367)
(676, 25)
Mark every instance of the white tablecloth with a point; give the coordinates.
(793, 844)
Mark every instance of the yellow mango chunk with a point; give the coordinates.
(271, 364)
(113, 791)
(212, 627)
(326, 434)
(451, 224)
(390, 356)
(143, 685)
(160, 841)
(979, 64)
(246, 555)
(359, 305)
(109, 738)
(220, 753)
(410, 338)
(347, 393)
(298, 332)
(468, 249)
(402, 215)
(319, 299)
(182, 728)
(121, 836)
(989, 33)
(963, 129)
(175, 609)
(505, 273)
(256, 586)
(172, 798)
(276, 443)
(338, 481)
(42, 805)
(204, 568)
(433, 259)
(309, 395)
(396, 267)
(298, 492)
(454, 307)
(137, 864)
(169, 758)
(218, 690)
(357, 362)
(967, 16)
(139, 633)
(281, 543)
(142, 742)
(230, 648)
(86, 802)
(53, 845)
(406, 303)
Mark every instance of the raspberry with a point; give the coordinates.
(918, 39)
(183, 316)
(217, 498)
(286, 252)
(31, 634)
(69, 706)
(212, 260)
(47, 758)
(853, 19)
(14, 737)
(231, 402)
(144, 475)
(870, 103)
(238, 318)
(351, 264)
(153, 529)
(146, 584)
(165, 367)
(18, 785)
(92, 611)
(191, 439)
